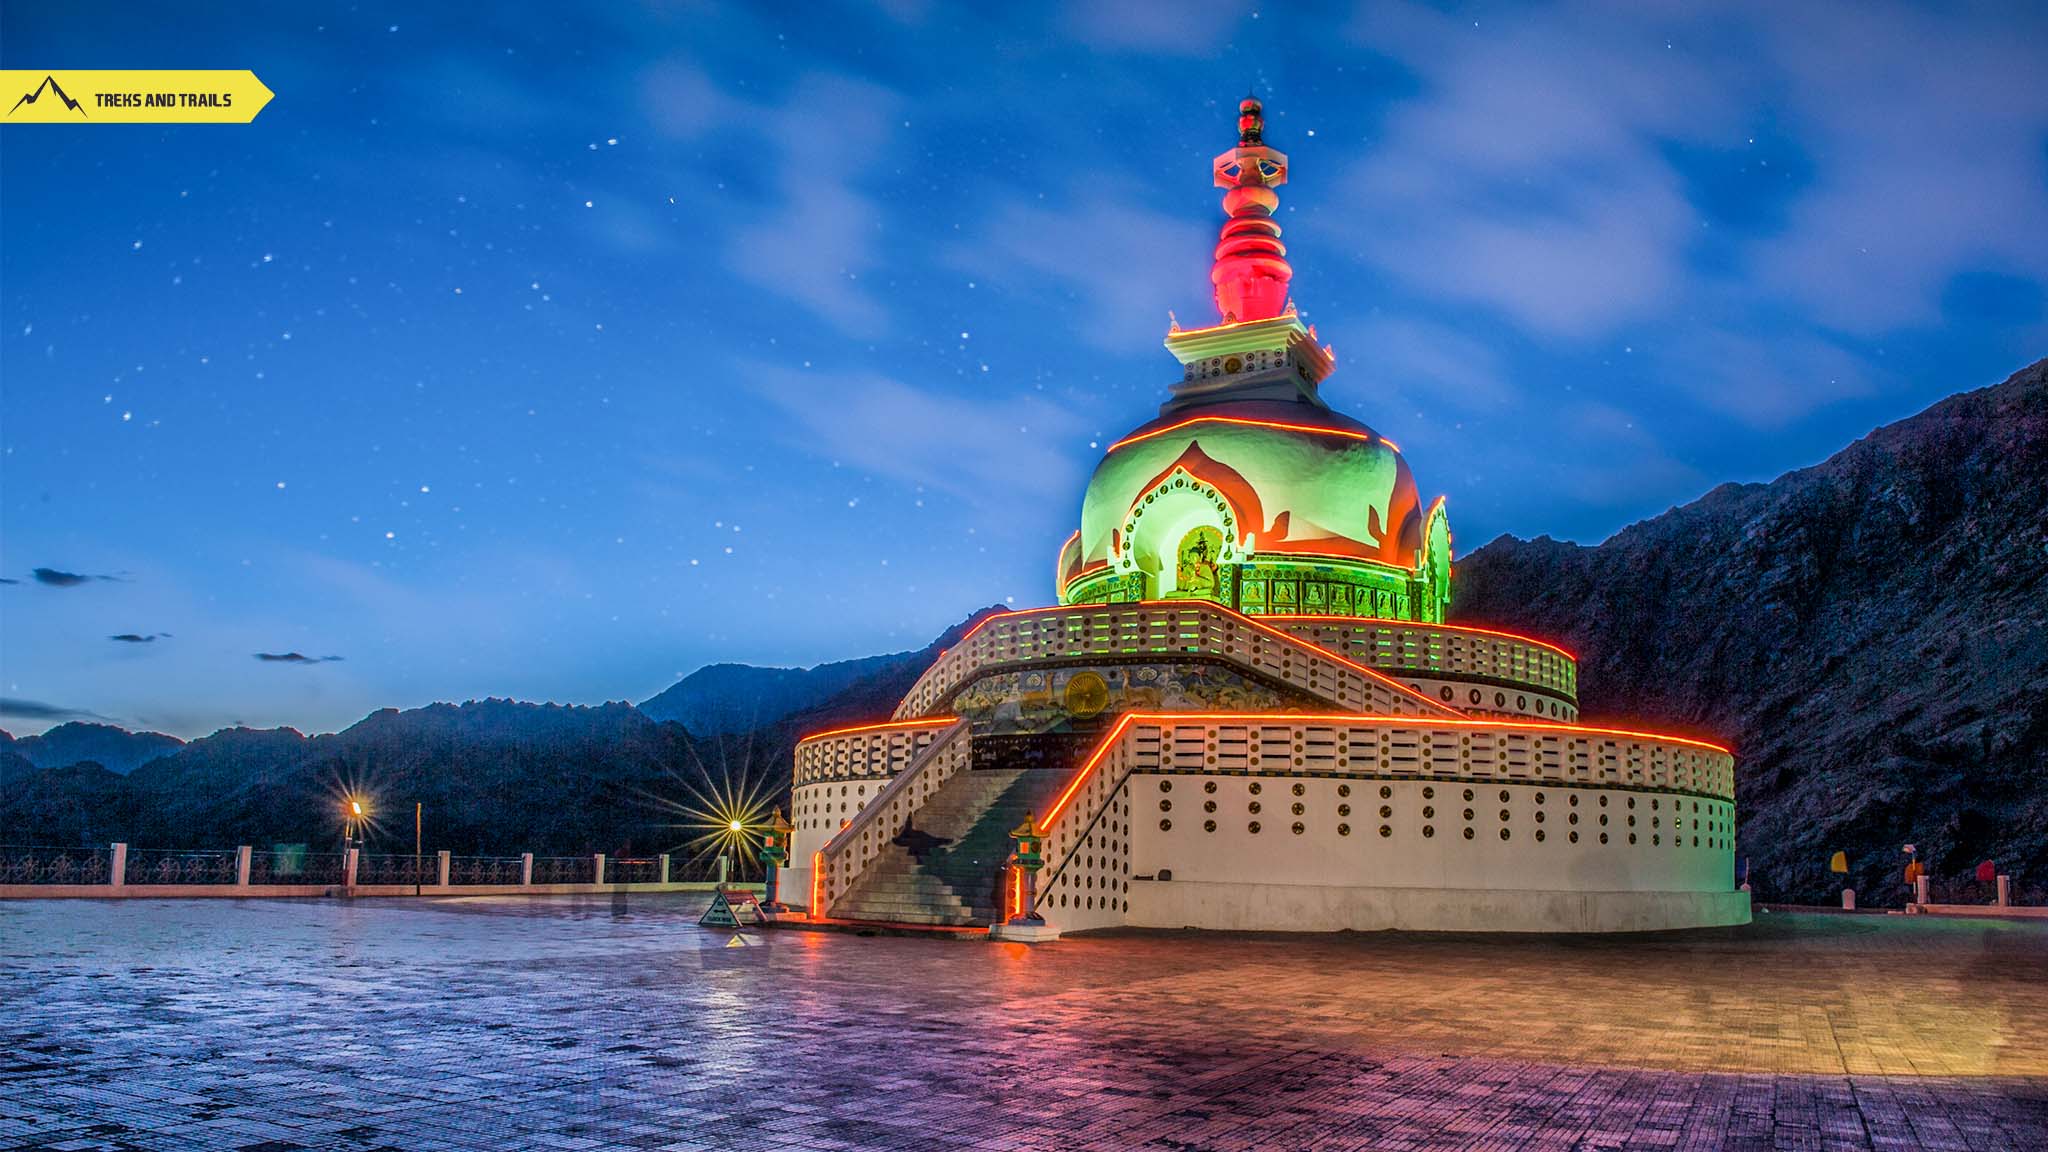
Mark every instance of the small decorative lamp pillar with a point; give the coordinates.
(1030, 858)
(1025, 925)
(775, 853)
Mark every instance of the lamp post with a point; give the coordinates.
(352, 819)
(775, 853)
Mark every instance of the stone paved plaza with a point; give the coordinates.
(572, 1023)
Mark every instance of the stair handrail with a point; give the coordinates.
(1203, 618)
(1083, 816)
(835, 869)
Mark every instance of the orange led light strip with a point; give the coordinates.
(817, 885)
(1109, 740)
(1102, 748)
(1368, 437)
(884, 726)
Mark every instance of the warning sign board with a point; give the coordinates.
(731, 910)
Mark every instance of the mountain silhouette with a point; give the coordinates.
(49, 82)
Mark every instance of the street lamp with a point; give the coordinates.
(353, 819)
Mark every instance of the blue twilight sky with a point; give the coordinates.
(554, 350)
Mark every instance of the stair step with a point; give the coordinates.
(956, 881)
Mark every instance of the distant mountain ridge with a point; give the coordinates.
(728, 698)
(492, 776)
(113, 748)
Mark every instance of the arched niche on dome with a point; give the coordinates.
(1182, 536)
(1433, 564)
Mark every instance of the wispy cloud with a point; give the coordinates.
(1125, 264)
(140, 638)
(37, 710)
(990, 454)
(1537, 168)
(294, 658)
(1930, 137)
(58, 578)
(1409, 362)
(817, 243)
(1161, 27)
(1765, 382)
(1526, 174)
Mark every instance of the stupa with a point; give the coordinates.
(1247, 709)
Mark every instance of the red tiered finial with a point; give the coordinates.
(1251, 270)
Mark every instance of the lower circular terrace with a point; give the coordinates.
(1350, 795)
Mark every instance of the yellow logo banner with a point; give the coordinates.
(130, 97)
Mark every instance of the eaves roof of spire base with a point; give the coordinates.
(1312, 362)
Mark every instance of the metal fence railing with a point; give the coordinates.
(30, 865)
(564, 870)
(477, 870)
(632, 870)
(290, 864)
(398, 869)
(174, 866)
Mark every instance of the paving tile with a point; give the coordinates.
(567, 1023)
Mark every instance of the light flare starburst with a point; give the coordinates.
(722, 811)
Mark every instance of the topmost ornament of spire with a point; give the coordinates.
(1251, 270)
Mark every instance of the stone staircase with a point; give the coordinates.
(958, 882)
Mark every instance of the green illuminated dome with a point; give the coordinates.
(1248, 490)
(1269, 506)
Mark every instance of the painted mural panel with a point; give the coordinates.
(1052, 699)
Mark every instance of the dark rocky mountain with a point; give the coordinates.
(115, 749)
(1870, 634)
(494, 776)
(736, 699)
(733, 698)
(71, 806)
(770, 747)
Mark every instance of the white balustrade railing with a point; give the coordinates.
(864, 752)
(1169, 630)
(1085, 824)
(1402, 648)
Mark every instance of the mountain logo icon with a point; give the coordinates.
(50, 84)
